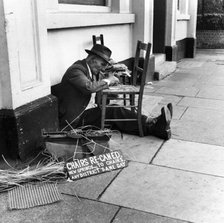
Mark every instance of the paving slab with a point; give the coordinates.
(133, 216)
(198, 131)
(205, 71)
(70, 209)
(180, 84)
(135, 148)
(181, 91)
(204, 115)
(209, 54)
(168, 192)
(213, 81)
(212, 92)
(150, 88)
(169, 98)
(90, 187)
(189, 64)
(191, 156)
(187, 78)
(149, 102)
(202, 103)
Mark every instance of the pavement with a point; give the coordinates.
(176, 181)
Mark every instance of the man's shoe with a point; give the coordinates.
(170, 107)
(161, 128)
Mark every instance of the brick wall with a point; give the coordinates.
(210, 39)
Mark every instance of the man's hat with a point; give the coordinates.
(101, 51)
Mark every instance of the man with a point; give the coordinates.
(77, 107)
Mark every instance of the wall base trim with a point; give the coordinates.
(21, 129)
(171, 53)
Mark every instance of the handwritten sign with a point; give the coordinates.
(93, 165)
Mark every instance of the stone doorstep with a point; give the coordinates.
(159, 58)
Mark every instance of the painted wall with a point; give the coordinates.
(39, 40)
(181, 30)
(171, 22)
(180, 24)
(24, 77)
(143, 27)
(5, 84)
(65, 46)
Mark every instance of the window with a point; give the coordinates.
(84, 5)
(84, 2)
(83, 13)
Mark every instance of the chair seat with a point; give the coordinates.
(119, 89)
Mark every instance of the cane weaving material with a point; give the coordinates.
(31, 195)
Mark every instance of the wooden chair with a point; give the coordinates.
(98, 39)
(134, 93)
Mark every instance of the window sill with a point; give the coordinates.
(63, 19)
(83, 8)
(183, 17)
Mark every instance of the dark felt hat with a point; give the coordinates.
(101, 51)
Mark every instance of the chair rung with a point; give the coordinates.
(120, 120)
(127, 99)
(139, 69)
(121, 106)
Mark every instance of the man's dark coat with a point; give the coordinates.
(75, 92)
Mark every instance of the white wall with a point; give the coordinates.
(65, 46)
(193, 6)
(5, 84)
(171, 19)
(181, 30)
(143, 27)
(40, 39)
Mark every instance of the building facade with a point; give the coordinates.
(40, 39)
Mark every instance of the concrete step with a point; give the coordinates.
(164, 69)
(159, 58)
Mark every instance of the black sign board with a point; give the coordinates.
(93, 165)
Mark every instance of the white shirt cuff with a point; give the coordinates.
(107, 81)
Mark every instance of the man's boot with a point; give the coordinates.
(170, 107)
(161, 125)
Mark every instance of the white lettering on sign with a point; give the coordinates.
(95, 165)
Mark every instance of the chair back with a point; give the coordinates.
(139, 70)
(97, 39)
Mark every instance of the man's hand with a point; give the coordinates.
(112, 80)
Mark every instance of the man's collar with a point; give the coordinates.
(89, 70)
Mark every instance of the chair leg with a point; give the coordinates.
(141, 133)
(124, 98)
(104, 101)
(132, 101)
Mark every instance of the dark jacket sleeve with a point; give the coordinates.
(79, 78)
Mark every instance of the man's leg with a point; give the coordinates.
(93, 117)
(129, 127)
(159, 126)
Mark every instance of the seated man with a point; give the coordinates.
(79, 86)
